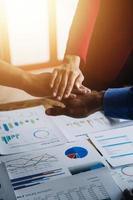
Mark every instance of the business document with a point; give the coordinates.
(93, 185)
(42, 166)
(116, 145)
(6, 189)
(27, 129)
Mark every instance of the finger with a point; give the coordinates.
(84, 89)
(81, 90)
(62, 86)
(72, 96)
(79, 80)
(70, 84)
(56, 111)
(57, 83)
(54, 75)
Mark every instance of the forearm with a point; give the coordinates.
(12, 76)
(82, 28)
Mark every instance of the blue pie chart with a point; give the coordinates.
(76, 152)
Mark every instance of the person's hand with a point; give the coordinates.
(128, 195)
(79, 105)
(37, 84)
(66, 77)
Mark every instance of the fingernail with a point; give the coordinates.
(54, 94)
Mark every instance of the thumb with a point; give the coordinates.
(79, 81)
(55, 111)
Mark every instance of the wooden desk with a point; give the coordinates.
(11, 99)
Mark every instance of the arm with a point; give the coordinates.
(118, 103)
(82, 28)
(36, 85)
(114, 102)
(69, 75)
(111, 44)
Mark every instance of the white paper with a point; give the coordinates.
(6, 190)
(38, 167)
(123, 177)
(27, 129)
(116, 145)
(96, 184)
(82, 128)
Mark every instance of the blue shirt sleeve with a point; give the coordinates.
(118, 103)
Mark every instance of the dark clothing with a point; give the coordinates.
(109, 42)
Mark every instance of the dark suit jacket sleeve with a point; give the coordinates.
(118, 103)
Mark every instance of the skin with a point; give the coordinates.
(66, 77)
(34, 84)
(79, 105)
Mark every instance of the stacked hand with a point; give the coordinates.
(66, 77)
(79, 105)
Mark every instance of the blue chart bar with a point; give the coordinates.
(8, 138)
(5, 127)
(16, 123)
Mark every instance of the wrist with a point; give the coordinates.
(98, 100)
(100, 97)
(72, 60)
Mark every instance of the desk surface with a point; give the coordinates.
(11, 98)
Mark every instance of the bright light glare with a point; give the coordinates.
(65, 13)
(28, 31)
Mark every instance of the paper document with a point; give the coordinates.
(116, 145)
(6, 190)
(82, 128)
(96, 184)
(123, 177)
(42, 166)
(27, 129)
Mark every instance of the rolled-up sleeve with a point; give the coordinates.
(118, 103)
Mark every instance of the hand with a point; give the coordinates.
(79, 105)
(128, 195)
(37, 84)
(65, 77)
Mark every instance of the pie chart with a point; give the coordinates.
(76, 152)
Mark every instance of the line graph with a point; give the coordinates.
(29, 162)
(35, 168)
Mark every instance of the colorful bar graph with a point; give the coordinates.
(10, 125)
(16, 123)
(5, 126)
(8, 138)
